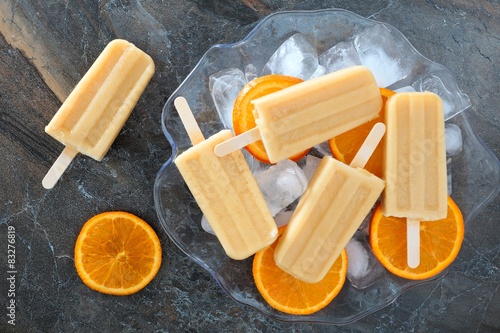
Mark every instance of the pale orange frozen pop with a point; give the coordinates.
(299, 117)
(94, 113)
(415, 163)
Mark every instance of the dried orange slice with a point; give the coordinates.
(345, 146)
(291, 295)
(117, 253)
(243, 119)
(440, 242)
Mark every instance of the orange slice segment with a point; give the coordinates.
(290, 295)
(345, 146)
(440, 242)
(117, 253)
(243, 119)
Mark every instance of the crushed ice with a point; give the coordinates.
(295, 57)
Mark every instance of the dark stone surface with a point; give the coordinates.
(46, 47)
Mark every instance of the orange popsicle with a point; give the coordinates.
(96, 110)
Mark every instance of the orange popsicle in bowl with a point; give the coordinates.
(330, 211)
(415, 163)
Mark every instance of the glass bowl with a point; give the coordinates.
(475, 170)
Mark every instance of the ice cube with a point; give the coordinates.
(363, 268)
(341, 55)
(441, 82)
(206, 226)
(311, 165)
(453, 138)
(405, 89)
(250, 72)
(224, 88)
(319, 71)
(295, 57)
(281, 184)
(283, 217)
(378, 50)
(255, 165)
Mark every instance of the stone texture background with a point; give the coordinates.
(44, 50)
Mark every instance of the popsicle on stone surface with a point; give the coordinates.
(225, 191)
(330, 211)
(415, 163)
(299, 117)
(95, 111)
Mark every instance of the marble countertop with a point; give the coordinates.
(44, 50)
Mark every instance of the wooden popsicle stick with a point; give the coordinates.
(413, 242)
(237, 142)
(368, 147)
(188, 120)
(359, 161)
(58, 168)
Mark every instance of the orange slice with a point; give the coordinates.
(440, 242)
(291, 295)
(243, 119)
(345, 146)
(117, 253)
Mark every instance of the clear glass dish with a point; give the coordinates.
(475, 170)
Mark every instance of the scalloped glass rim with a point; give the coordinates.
(476, 170)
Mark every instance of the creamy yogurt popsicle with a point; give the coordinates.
(330, 211)
(299, 117)
(225, 191)
(415, 163)
(93, 114)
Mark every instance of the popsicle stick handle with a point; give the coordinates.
(188, 120)
(413, 240)
(58, 168)
(368, 147)
(237, 142)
